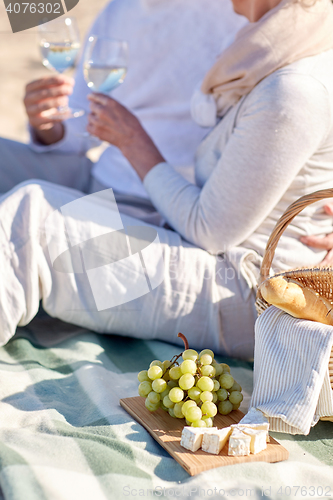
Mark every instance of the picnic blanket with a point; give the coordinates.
(63, 434)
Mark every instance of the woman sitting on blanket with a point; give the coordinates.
(270, 99)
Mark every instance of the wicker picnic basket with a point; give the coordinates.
(318, 279)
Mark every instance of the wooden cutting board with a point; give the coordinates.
(167, 432)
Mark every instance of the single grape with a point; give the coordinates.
(171, 413)
(225, 407)
(186, 381)
(156, 362)
(207, 371)
(218, 368)
(199, 423)
(164, 393)
(172, 383)
(166, 364)
(176, 395)
(144, 388)
(159, 385)
(236, 387)
(188, 366)
(143, 376)
(225, 367)
(226, 381)
(206, 396)
(222, 394)
(235, 407)
(208, 421)
(154, 397)
(193, 413)
(178, 410)
(188, 405)
(236, 397)
(194, 393)
(209, 409)
(175, 372)
(206, 351)
(190, 354)
(150, 406)
(167, 402)
(155, 372)
(205, 384)
(215, 397)
(206, 359)
(216, 385)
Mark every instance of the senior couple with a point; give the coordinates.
(262, 129)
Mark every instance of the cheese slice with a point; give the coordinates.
(239, 443)
(258, 439)
(214, 441)
(256, 427)
(192, 437)
(255, 419)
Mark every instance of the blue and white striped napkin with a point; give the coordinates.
(291, 379)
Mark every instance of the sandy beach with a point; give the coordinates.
(20, 62)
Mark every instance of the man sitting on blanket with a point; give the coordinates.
(172, 43)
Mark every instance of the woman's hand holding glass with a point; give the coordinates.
(113, 123)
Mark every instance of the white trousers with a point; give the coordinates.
(197, 296)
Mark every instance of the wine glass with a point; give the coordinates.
(105, 65)
(59, 45)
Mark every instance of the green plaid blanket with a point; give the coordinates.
(63, 434)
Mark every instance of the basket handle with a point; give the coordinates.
(284, 221)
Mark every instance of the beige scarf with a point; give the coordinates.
(287, 33)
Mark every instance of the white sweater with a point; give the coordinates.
(274, 146)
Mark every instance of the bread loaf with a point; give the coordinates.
(298, 301)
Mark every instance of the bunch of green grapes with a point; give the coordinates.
(196, 388)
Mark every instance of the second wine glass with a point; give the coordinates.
(105, 65)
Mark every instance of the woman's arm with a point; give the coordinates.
(280, 126)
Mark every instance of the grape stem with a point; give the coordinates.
(175, 358)
(184, 339)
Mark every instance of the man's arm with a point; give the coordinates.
(41, 100)
(323, 243)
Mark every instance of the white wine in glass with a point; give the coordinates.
(59, 45)
(105, 63)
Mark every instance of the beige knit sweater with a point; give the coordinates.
(273, 146)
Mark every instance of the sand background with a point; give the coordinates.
(20, 62)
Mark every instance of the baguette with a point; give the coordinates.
(297, 300)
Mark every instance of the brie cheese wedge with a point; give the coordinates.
(257, 427)
(192, 437)
(258, 438)
(239, 443)
(214, 441)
